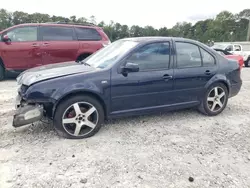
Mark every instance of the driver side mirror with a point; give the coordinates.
(6, 38)
(130, 67)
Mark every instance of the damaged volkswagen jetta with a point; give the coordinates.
(131, 76)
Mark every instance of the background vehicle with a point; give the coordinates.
(29, 45)
(229, 55)
(128, 77)
(242, 49)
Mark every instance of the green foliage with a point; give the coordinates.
(225, 27)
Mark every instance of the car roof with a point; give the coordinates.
(158, 38)
(54, 24)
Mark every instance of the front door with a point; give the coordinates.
(149, 88)
(59, 44)
(23, 51)
(194, 68)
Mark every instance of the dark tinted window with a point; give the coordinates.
(188, 55)
(207, 58)
(57, 33)
(87, 34)
(152, 56)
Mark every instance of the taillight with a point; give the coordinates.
(106, 43)
(241, 63)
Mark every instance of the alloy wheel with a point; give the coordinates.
(80, 119)
(216, 99)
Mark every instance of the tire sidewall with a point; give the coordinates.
(205, 105)
(247, 62)
(57, 120)
(2, 72)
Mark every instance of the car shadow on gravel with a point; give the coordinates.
(171, 115)
(45, 128)
(36, 129)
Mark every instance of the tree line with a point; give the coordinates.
(225, 27)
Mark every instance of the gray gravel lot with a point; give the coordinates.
(150, 151)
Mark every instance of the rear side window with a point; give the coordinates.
(57, 33)
(237, 47)
(87, 34)
(207, 58)
(188, 55)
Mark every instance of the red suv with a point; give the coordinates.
(29, 45)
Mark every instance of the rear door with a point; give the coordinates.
(23, 51)
(194, 68)
(59, 44)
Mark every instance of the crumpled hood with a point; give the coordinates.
(45, 72)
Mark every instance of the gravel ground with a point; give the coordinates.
(177, 149)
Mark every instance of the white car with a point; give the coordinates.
(242, 49)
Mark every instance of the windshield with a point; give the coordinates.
(109, 54)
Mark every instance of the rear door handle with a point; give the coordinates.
(45, 44)
(207, 72)
(167, 77)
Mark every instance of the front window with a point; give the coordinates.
(23, 34)
(108, 55)
(229, 48)
(155, 56)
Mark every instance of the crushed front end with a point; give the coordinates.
(26, 113)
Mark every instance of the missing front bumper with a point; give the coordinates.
(27, 114)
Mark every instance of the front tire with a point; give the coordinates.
(215, 100)
(78, 117)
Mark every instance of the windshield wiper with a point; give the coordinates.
(84, 63)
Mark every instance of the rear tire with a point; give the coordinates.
(82, 115)
(215, 100)
(247, 62)
(2, 73)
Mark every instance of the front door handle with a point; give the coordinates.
(207, 72)
(35, 45)
(167, 77)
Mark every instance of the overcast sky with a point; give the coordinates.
(158, 13)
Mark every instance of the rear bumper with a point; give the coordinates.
(27, 114)
(235, 89)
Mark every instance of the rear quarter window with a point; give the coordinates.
(87, 34)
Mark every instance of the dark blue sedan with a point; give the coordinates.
(131, 76)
